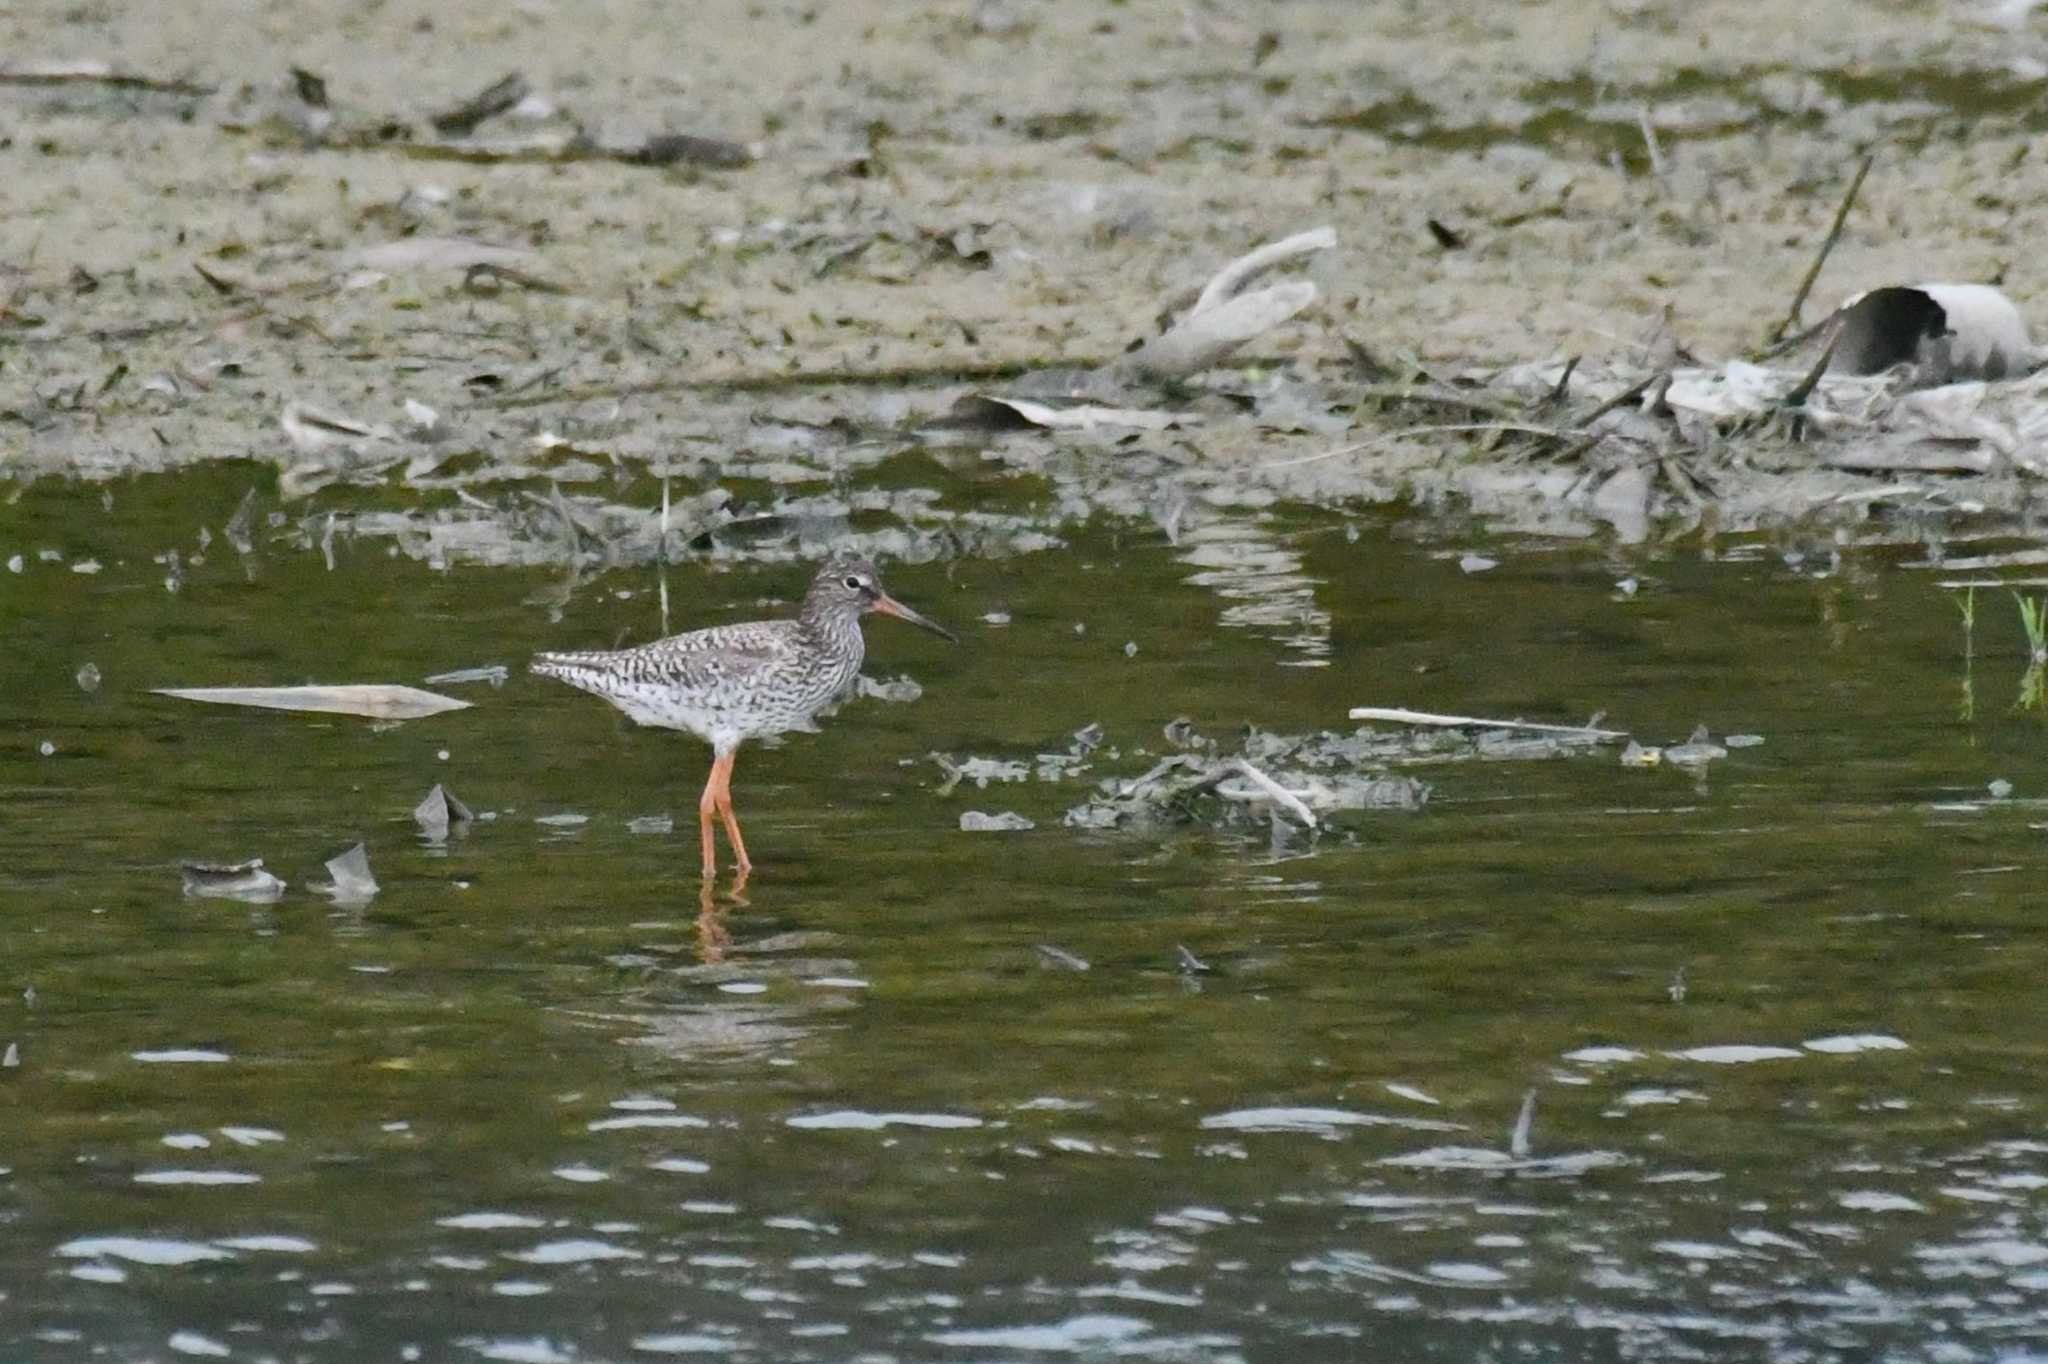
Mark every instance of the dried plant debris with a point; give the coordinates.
(1301, 780)
(1298, 779)
(61, 73)
(1865, 423)
(1225, 315)
(1696, 752)
(492, 100)
(980, 822)
(899, 690)
(440, 814)
(354, 883)
(377, 701)
(980, 771)
(232, 881)
(524, 126)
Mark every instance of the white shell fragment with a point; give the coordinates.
(1947, 331)
(378, 701)
(246, 881)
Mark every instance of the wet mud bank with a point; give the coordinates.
(622, 276)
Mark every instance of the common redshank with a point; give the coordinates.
(731, 683)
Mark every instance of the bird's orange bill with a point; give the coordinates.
(889, 606)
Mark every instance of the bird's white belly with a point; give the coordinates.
(718, 719)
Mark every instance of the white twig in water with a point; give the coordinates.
(1420, 717)
(1284, 797)
(1518, 1140)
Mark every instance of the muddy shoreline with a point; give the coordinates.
(952, 201)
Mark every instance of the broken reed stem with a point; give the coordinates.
(1792, 342)
(1286, 798)
(1804, 390)
(1649, 131)
(1549, 432)
(1431, 397)
(1628, 395)
(1399, 715)
(1834, 234)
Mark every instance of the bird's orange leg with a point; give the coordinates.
(732, 821)
(707, 806)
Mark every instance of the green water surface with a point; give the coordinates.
(531, 1103)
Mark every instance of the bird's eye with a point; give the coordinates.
(853, 583)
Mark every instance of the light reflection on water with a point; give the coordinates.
(1260, 577)
(537, 1101)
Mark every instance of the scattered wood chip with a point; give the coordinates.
(492, 100)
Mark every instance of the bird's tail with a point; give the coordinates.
(578, 670)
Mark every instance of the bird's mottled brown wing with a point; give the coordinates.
(653, 682)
